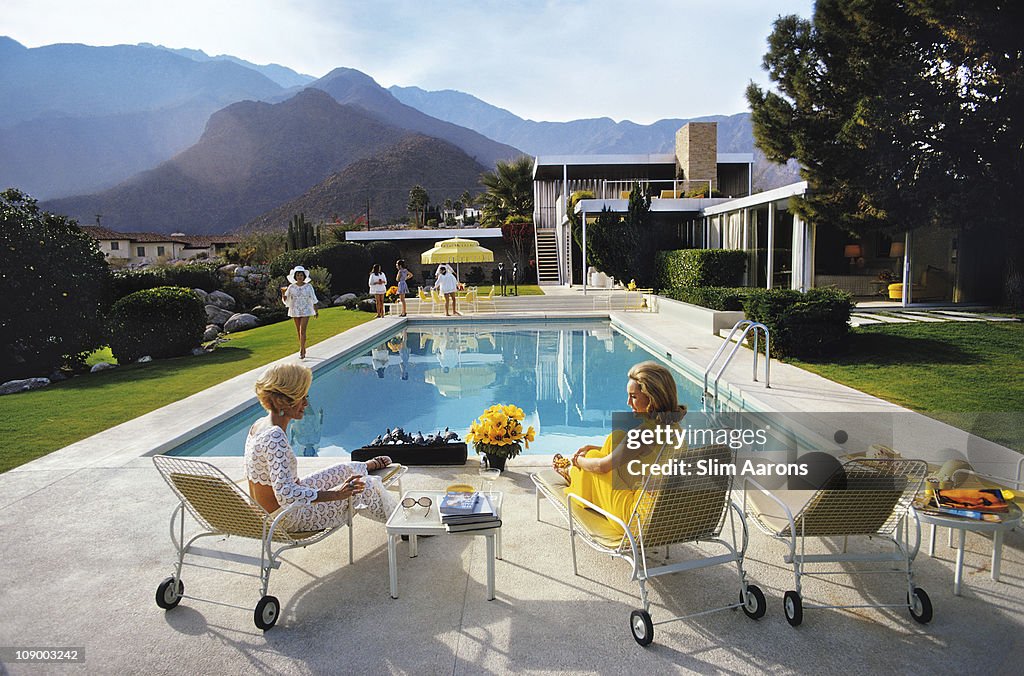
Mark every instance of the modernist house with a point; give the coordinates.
(937, 265)
(147, 247)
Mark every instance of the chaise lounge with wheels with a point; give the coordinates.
(670, 510)
(865, 498)
(221, 508)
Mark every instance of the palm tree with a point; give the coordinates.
(509, 192)
(418, 201)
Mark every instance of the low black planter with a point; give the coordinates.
(411, 454)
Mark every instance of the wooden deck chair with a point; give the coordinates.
(864, 497)
(670, 510)
(221, 508)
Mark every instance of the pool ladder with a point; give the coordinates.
(747, 325)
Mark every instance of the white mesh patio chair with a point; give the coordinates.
(670, 510)
(869, 498)
(221, 508)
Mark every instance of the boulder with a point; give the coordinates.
(228, 269)
(216, 315)
(196, 351)
(346, 299)
(202, 295)
(240, 322)
(368, 305)
(57, 376)
(13, 386)
(211, 332)
(221, 300)
(101, 366)
(238, 279)
(145, 359)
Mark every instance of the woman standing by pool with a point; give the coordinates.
(448, 284)
(301, 301)
(378, 287)
(402, 277)
(272, 468)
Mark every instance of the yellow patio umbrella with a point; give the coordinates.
(460, 381)
(457, 250)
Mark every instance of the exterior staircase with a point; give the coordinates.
(547, 257)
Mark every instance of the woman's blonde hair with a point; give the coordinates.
(657, 382)
(282, 385)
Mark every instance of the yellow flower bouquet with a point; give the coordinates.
(391, 294)
(499, 432)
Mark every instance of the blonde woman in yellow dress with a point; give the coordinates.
(599, 473)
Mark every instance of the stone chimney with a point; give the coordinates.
(697, 153)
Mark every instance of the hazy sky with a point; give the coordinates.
(641, 60)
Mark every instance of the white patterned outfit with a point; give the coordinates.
(270, 461)
(300, 300)
(378, 284)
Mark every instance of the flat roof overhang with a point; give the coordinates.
(447, 233)
(655, 166)
(693, 205)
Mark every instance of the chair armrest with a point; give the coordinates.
(608, 515)
(747, 481)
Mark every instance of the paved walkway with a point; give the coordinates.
(865, 316)
(86, 541)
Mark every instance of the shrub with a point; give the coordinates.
(700, 267)
(383, 254)
(348, 263)
(54, 285)
(192, 275)
(163, 322)
(811, 324)
(713, 297)
(269, 315)
(475, 275)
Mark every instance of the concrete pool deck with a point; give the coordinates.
(85, 544)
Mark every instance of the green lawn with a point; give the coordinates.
(38, 422)
(968, 374)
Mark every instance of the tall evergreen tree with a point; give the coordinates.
(901, 112)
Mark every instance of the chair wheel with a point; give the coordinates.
(267, 610)
(642, 627)
(167, 596)
(793, 607)
(920, 606)
(753, 602)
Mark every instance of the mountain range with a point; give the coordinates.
(173, 139)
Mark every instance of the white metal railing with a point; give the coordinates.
(614, 189)
(747, 325)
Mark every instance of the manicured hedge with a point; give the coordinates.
(713, 297)
(700, 267)
(348, 262)
(163, 322)
(811, 324)
(193, 275)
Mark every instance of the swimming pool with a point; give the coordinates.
(568, 376)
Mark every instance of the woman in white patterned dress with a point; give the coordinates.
(301, 301)
(272, 468)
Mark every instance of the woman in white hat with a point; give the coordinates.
(301, 301)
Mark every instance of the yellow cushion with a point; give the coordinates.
(604, 532)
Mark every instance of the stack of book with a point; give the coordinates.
(980, 504)
(468, 511)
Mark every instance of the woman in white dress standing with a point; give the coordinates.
(448, 284)
(378, 286)
(272, 468)
(301, 301)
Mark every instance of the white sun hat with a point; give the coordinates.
(297, 268)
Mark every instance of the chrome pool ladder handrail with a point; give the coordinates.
(748, 325)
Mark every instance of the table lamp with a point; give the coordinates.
(853, 252)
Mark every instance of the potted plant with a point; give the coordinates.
(498, 434)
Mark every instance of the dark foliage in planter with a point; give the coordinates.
(348, 262)
(193, 275)
(712, 297)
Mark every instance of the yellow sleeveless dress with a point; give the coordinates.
(615, 491)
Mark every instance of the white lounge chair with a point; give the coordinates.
(221, 508)
(670, 510)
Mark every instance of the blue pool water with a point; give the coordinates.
(568, 377)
